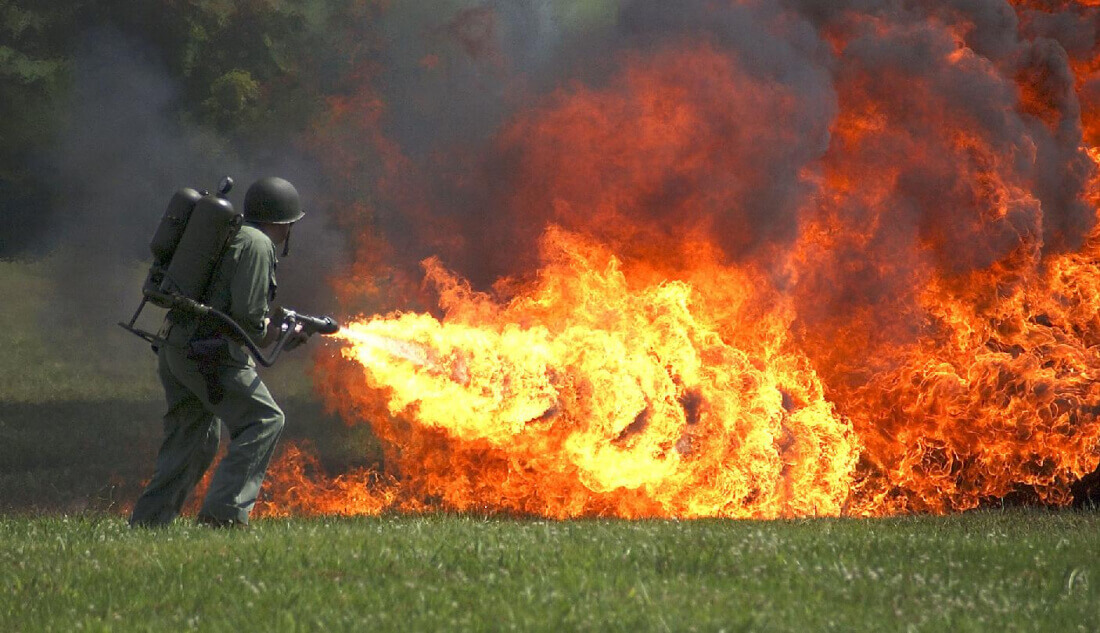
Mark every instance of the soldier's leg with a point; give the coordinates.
(191, 435)
(255, 423)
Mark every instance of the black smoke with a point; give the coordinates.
(496, 60)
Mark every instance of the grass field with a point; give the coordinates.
(1016, 570)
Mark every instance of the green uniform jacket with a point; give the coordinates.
(243, 287)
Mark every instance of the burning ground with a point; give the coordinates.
(738, 259)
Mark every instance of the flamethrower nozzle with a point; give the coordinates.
(310, 324)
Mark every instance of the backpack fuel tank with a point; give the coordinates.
(171, 226)
(210, 227)
(189, 242)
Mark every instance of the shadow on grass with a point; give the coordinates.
(94, 456)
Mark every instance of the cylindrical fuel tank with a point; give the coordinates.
(171, 226)
(212, 224)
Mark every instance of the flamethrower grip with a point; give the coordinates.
(290, 320)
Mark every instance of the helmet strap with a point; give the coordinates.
(286, 242)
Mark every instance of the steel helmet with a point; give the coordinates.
(272, 201)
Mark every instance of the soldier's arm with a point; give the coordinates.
(249, 290)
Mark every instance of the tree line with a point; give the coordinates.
(246, 70)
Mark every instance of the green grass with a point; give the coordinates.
(990, 571)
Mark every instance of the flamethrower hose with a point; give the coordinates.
(325, 325)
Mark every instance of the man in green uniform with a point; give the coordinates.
(209, 378)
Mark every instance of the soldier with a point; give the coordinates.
(209, 378)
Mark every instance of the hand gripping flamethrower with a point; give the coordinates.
(193, 234)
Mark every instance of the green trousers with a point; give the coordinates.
(192, 430)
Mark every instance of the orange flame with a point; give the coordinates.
(910, 325)
(598, 397)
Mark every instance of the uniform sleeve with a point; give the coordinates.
(250, 287)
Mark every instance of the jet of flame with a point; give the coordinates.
(605, 397)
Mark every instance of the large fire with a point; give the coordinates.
(590, 394)
(745, 303)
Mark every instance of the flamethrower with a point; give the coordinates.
(192, 236)
(291, 324)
